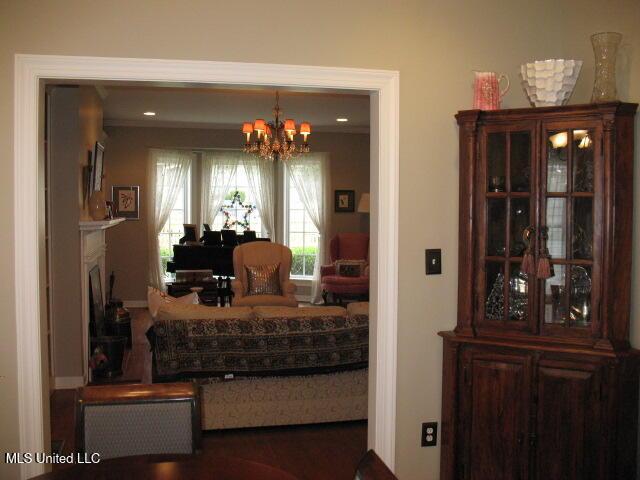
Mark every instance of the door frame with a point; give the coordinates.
(30, 74)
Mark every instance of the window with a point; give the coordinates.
(301, 235)
(241, 208)
(173, 230)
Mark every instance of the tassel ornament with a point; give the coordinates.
(528, 263)
(545, 268)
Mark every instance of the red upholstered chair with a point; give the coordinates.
(346, 246)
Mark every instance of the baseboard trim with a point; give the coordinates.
(135, 304)
(68, 382)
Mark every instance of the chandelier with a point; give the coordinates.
(274, 140)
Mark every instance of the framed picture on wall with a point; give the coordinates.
(98, 156)
(126, 201)
(345, 200)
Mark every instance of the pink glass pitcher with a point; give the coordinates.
(486, 90)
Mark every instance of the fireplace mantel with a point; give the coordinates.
(100, 224)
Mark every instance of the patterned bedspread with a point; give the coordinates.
(260, 346)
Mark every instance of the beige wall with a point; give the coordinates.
(64, 194)
(434, 45)
(76, 124)
(126, 155)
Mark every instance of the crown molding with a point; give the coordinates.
(217, 126)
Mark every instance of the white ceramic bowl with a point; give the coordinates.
(550, 82)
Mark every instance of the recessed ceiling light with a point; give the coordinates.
(150, 114)
(342, 119)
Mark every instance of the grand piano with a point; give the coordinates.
(214, 252)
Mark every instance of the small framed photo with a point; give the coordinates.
(126, 201)
(98, 159)
(345, 200)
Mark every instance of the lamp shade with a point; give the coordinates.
(363, 204)
(259, 125)
(289, 126)
(305, 128)
(247, 127)
(559, 140)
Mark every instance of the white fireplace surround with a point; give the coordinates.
(383, 86)
(93, 250)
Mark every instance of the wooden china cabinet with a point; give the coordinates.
(539, 379)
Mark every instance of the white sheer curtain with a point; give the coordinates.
(310, 177)
(166, 175)
(218, 170)
(261, 177)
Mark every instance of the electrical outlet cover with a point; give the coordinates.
(429, 434)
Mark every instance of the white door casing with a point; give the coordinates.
(383, 86)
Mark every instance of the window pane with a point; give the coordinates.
(557, 162)
(582, 241)
(301, 234)
(173, 229)
(496, 156)
(555, 310)
(179, 205)
(556, 208)
(580, 296)
(309, 226)
(310, 243)
(296, 240)
(583, 151)
(519, 221)
(496, 226)
(256, 223)
(237, 208)
(296, 221)
(520, 159)
(297, 265)
(296, 216)
(518, 294)
(309, 264)
(494, 304)
(294, 199)
(165, 242)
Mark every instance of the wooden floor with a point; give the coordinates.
(309, 452)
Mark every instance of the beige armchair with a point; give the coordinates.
(262, 253)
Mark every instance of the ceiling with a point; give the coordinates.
(230, 107)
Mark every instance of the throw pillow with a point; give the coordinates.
(156, 298)
(263, 279)
(350, 268)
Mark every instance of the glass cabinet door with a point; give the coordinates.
(569, 212)
(507, 204)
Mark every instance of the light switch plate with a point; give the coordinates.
(433, 258)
